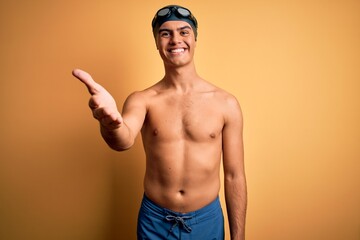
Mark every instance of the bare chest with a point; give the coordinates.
(196, 118)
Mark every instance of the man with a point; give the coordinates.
(187, 125)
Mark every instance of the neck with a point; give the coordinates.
(182, 78)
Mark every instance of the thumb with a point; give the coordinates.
(86, 78)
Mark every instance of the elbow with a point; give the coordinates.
(235, 178)
(231, 177)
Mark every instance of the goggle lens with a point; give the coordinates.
(184, 12)
(163, 12)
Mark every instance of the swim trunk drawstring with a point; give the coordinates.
(178, 221)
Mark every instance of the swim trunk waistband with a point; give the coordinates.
(194, 217)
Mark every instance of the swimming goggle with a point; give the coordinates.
(174, 12)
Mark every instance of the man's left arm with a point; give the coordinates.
(234, 170)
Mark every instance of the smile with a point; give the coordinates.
(177, 50)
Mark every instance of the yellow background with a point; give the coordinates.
(294, 65)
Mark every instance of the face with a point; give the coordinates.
(176, 43)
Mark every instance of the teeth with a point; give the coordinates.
(178, 50)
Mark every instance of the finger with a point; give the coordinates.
(99, 113)
(93, 104)
(86, 78)
(105, 113)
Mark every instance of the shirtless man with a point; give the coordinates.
(187, 126)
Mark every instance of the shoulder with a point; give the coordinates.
(226, 98)
(230, 105)
(225, 102)
(143, 94)
(141, 97)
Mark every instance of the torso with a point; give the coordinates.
(182, 137)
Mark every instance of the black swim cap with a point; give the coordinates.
(173, 13)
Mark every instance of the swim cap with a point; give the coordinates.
(173, 13)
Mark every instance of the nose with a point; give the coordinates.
(176, 38)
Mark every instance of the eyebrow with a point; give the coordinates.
(178, 29)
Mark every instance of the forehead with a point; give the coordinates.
(174, 25)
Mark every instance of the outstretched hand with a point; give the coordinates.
(101, 102)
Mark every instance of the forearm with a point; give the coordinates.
(236, 203)
(119, 139)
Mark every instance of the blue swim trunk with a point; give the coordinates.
(157, 223)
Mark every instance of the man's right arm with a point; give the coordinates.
(119, 131)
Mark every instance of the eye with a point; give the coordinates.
(185, 32)
(164, 34)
